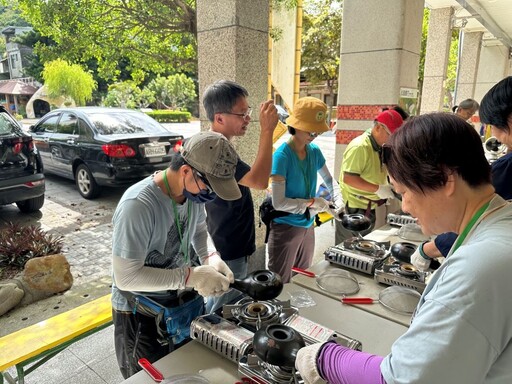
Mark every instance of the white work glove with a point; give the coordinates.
(216, 262)
(319, 205)
(207, 281)
(337, 208)
(305, 363)
(385, 192)
(419, 261)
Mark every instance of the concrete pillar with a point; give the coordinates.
(232, 38)
(471, 43)
(380, 52)
(493, 67)
(436, 59)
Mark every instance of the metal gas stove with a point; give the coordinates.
(395, 272)
(230, 334)
(359, 254)
(400, 220)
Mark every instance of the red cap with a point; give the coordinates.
(391, 119)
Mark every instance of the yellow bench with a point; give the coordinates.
(40, 342)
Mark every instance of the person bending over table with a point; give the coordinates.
(496, 111)
(461, 331)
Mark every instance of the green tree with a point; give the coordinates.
(174, 91)
(149, 35)
(321, 43)
(9, 16)
(68, 80)
(127, 94)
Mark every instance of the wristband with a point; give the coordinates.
(210, 255)
(311, 202)
(422, 253)
(188, 275)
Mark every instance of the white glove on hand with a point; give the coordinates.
(339, 208)
(306, 364)
(419, 261)
(337, 213)
(319, 205)
(385, 192)
(207, 281)
(216, 262)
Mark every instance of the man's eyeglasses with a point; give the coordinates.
(204, 180)
(313, 134)
(244, 116)
(385, 154)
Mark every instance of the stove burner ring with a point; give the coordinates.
(408, 270)
(278, 374)
(257, 309)
(366, 246)
(258, 312)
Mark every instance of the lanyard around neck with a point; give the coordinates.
(469, 226)
(304, 167)
(177, 220)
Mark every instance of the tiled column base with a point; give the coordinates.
(355, 112)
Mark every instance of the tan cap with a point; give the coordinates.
(309, 114)
(213, 155)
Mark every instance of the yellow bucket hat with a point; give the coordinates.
(309, 115)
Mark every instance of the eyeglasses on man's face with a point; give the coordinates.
(245, 116)
(204, 180)
(314, 134)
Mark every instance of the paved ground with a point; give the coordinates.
(86, 228)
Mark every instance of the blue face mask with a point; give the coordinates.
(203, 197)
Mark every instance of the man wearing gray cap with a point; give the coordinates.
(157, 291)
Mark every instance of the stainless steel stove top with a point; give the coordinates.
(358, 253)
(231, 332)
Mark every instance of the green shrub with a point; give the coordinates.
(18, 244)
(168, 116)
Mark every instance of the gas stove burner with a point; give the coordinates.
(255, 314)
(368, 247)
(279, 374)
(357, 253)
(233, 339)
(408, 270)
(252, 367)
(394, 272)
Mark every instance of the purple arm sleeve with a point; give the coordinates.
(341, 365)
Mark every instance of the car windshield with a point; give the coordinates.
(115, 123)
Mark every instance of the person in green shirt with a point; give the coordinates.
(363, 177)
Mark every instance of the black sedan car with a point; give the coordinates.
(21, 169)
(102, 146)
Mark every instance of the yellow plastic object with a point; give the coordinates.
(60, 329)
(325, 217)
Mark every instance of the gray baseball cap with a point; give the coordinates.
(215, 157)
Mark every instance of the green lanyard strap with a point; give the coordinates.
(177, 221)
(471, 224)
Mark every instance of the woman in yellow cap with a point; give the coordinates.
(295, 165)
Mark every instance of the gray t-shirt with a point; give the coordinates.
(145, 229)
